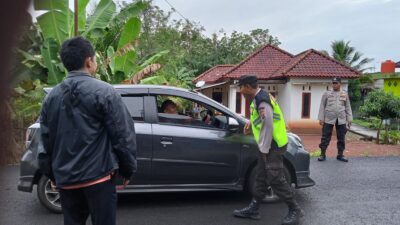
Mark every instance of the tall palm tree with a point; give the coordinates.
(343, 52)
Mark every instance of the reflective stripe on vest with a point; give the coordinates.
(279, 133)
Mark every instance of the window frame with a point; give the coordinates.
(143, 104)
(156, 119)
(309, 105)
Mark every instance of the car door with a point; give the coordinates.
(137, 108)
(191, 154)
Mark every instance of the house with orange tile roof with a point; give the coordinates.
(297, 81)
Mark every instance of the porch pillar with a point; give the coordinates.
(232, 98)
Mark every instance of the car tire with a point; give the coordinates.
(49, 198)
(270, 197)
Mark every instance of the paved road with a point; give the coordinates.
(364, 191)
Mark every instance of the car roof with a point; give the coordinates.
(128, 89)
(141, 86)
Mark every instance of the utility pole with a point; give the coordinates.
(76, 25)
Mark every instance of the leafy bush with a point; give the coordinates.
(394, 137)
(383, 106)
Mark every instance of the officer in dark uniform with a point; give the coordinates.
(269, 130)
(335, 111)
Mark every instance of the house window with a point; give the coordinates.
(303, 88)
(238, 102)
(309, 88)
(327, 88)
(217, 96)
(306, 106)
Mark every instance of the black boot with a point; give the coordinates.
(250, 211)
(341, 157)
(322, 157)
(293, 216)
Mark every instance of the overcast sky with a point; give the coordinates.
(372, 26)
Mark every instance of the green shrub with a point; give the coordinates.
(394, 137)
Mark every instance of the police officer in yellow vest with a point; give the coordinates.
(269, 130)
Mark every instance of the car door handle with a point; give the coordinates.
(166, 141)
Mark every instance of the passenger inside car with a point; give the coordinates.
(168, 106)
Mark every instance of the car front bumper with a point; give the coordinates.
(25, 184)
(28, 169)
(304, 180)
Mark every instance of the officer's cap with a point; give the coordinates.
(336, 80)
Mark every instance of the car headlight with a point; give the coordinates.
(298, 140)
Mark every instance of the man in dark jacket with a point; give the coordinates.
(88, 136)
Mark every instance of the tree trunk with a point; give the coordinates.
(379, 132)
(386, 139)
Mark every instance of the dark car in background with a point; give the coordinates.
(193, 150)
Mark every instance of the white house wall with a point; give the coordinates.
(283, 98)
(222, 88)
(316, 87)
(289, 96)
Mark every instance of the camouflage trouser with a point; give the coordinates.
(270, 173)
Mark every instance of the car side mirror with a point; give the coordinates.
(233, 125)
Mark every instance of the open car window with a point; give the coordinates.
(186, 112)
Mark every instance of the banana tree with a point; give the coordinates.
(112, 33)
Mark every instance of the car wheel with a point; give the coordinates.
(270, 197)
(49, 198)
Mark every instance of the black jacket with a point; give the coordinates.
(87, 132)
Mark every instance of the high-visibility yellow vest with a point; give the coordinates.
(279, 134)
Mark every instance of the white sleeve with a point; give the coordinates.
(267, 126)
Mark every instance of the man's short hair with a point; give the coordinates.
(74, 52)
(166, 103)
(250, 80)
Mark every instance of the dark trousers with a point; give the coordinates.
(99, 200)
(327, 134)
(270, 173)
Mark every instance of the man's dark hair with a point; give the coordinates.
(250, 80)
(166, 103)
(254, 85)
(74, 52)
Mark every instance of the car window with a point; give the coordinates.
(186, 112)
(135, 106)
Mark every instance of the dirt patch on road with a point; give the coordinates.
(354, 146)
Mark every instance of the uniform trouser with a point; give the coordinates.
(327, 134)
(99, 200)
(270, 173)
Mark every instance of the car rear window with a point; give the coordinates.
(135, 106)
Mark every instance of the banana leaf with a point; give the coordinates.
(57, 21)
(130, 33)
(101, 16)
(132, 10)
(49, 52)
